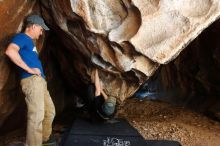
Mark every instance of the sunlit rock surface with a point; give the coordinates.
(171, 25)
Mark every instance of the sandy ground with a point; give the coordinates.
(156, 121)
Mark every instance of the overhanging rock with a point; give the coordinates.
(128, 39)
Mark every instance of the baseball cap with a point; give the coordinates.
(109, 106)
(35, 19)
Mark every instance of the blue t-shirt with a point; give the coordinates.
(28, 53)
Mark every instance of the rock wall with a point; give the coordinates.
(126, 40)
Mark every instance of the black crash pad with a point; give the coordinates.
(114, 133)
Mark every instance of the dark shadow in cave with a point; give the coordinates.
(192, 80)
(65, 84)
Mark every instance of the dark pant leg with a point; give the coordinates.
(94, 103)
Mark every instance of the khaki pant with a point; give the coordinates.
(41, 110)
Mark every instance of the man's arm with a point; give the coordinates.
(104, 95)
(97, 83)
(12, 53)
(99, 86)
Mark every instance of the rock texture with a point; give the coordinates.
(126, 40)
(158, 30)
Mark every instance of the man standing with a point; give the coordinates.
(23, 53)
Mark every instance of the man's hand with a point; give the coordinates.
(35, 71)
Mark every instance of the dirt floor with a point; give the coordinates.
(155, 121)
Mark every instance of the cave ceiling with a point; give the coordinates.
(129, 39)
